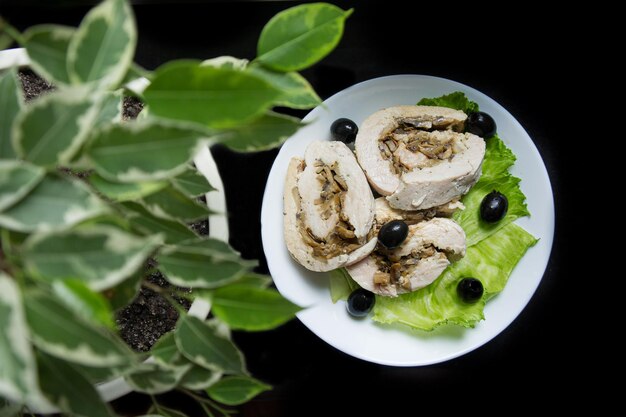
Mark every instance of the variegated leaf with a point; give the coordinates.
(58, 331)
(55, 203)
(300, 36)
(47, 46)
(296, 92)
(155, 378)
(10, 106)
(100, 256)
(207, 263)
(17, 178)
(215, 97)
(165, 351)
(124, 191)
(235, 390)
(146, 223)
(192, 183)
(198, 378)
(85, 302)
(266, 132)
(103, 47)
(125, 292)
(68, 389)
(110, 108)
(51, 130)
(226, 61)
(18, 371)
(201, 344)
(169, 203)
(146, 151)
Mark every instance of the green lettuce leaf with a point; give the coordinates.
(495, 176)
(491, 260)
(341, 284)
(456, 100)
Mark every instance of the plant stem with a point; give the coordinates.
(165, 294)
(207, 401)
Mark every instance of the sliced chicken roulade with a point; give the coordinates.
(417, 156)
(328, 208)
(424, 255)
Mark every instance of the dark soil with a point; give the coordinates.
(33, 85)
(150, 315)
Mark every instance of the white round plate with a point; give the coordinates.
(397, 345)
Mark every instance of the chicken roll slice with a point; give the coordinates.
(424, 255)
(328, 208)
(417, 156)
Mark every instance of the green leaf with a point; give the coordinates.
(203, 345)
(226, 61)
(125, 292)
(110, 108)
(215, 97)
(252, 309)
(17, 178)
(58, 331)
(165, 351)
(300, 36)
(18, 374)
(476, 229)
(47, 49)
(103, 47)
(296, 92)
(97, 375)
(266, 132)
(169, 203)
(9, 409)
(100, 256)
(153, 378)
(341, 284)
(192, 183)
(55, 203)
(252, 279)
(10, 106)
(235, 390)
(124, 191)
(150, 151)
(86, 303)
(498, 158)
(198, 378)
(68, 389)
(456, 100)
(207, 263)
(51, 130)
(491, 260)
(145, 222)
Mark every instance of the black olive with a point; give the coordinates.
(360, 302)
(343, 130)
(481, 124)
(470, 290)
(392, 234)
(494, 207)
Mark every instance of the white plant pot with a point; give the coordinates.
(216, 202)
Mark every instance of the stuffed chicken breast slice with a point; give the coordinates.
(417, 156)
(424, 255)
(329, 208)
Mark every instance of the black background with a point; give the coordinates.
(548, 359)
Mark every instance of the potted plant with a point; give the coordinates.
(87, 199)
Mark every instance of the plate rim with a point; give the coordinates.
(303, 316)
